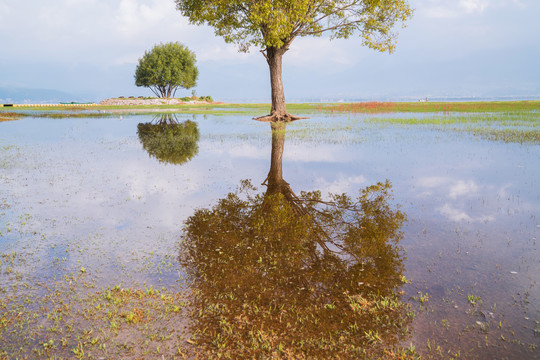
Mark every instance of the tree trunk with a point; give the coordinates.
(274, 181)
(275, 60)
(275, 175)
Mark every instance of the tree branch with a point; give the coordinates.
(265, 56)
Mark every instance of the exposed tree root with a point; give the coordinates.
(279, 118)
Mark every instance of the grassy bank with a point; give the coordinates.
(361, 107)
(433, 107)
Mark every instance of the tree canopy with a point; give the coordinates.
(272, 25)
(165, 68)
(276, 23)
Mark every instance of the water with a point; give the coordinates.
(81, 197)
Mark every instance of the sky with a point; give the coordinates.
(87, 50)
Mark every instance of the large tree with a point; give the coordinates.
(165, 68)
(272, 25)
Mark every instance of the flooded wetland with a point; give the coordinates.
(363, 231)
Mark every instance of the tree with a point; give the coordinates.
(274, 24)
(165, 68)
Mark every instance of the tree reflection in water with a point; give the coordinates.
(277, 275)
(168, 140)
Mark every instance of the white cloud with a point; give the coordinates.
(136, 18)
(453, 188)
(462, 188)
(452, 198)
(472, 6)
(457, 215)
(4, 11)
(314, 52)
(443, 9)
(432, 181)
(249, 151)
(213, 51)
(454, 214)
(440, 12)
(339, 186)
(320, 153)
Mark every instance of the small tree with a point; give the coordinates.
(272, 25)
(165, 68)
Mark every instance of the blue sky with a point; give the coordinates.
(449, 49)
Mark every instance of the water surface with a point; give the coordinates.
(90, 195)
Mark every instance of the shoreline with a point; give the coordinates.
(340, 107)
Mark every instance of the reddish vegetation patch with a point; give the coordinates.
(386, 107)
(368, 107)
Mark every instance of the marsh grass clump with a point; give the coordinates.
(9, 116)
(511, 127)
(508, 135)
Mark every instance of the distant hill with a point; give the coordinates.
(33, 96)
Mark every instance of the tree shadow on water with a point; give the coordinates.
(168, 140)
(280, 275)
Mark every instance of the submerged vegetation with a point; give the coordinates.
(73, 318)
(516, 126)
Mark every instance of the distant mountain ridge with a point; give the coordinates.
(33, 96)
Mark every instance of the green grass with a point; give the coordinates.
(249, 110)
(516, 127)
(429, 107)
(361, 107)
(510, 121)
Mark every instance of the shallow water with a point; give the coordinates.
(83, 193)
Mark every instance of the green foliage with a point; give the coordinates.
(170, 142)
(275, 24)
(206, 98)
(166, 68)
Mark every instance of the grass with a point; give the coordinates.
(69, 320)
(433, 107)
(516, 126)
(509, 121)
(8, 116)
(360, 107)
